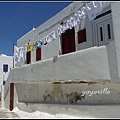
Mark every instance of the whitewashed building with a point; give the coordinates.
(84, 57)
(86, 34)
(6, 64)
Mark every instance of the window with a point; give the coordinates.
(109, 31)
(104, 32)
(101, 33)
(103, 28)
(5, 68)
(82, 36)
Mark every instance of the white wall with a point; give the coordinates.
(69, 93)
(52, 48)
(92, 64)
(116, 26)
(78, 111)
(6, 94)
(88, 64)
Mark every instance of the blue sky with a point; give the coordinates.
(13, 25)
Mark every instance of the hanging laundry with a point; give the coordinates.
(25, 49)
(76, 19)
(89, 10)
(48, 39)
(79, 14)
(67, 24)
(16, 53)
(38, 44)
(71, 22)
(32, 46)
(52, 35)
(98, 7)
(58, 31)
(83, 14)
(64, 27)
(61, 29)
(21, 54)
(105, 4)
(44, 41)
(29, 48)
(25, 52)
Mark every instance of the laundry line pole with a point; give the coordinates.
(13, 55)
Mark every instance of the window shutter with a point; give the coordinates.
(5, 68)
(82, 36)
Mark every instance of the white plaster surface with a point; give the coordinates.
(89, 64)
(69, 93)
(116, 27)
(67, 111)
(5, 60)
(62, 111)
(92, 64)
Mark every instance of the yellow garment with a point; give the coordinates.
(31, 47)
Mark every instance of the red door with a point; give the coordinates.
(65, 45)
(72, 42)
(68, 41)
(38, 54)
(11, 96)
(28, 57)
(82, 36)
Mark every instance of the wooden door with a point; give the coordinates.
(29, 57)
(68, 41)
(11, 96)
(38, 54)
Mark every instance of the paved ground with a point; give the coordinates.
(5, 113)
(18, 114)
(98, 111)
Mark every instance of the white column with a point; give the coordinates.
(2, 95)
(115, 7)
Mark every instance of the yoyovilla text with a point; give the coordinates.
(90, 93)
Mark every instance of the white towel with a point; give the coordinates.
(105, 4)
(53, 35)
(98, 7)
(58, 31)
(21, 54)
(48, 39)
(16, 53)
(89, 10)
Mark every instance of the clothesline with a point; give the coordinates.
(91, 9)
